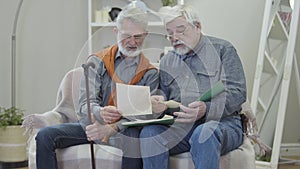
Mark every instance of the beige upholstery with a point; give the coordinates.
(243, 157)
(78, 157)
(107, 157)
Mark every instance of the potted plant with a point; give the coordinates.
(12, 138)
(168, 2)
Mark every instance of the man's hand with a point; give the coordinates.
(193, 112)
(110, 114)
(97, 131)
(158, 105)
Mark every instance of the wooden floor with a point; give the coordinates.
(290, 166)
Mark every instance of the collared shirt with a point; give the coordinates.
(185, 78)
(125, 68)
(101, 84)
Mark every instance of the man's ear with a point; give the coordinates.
(198, 25)
(146, 33)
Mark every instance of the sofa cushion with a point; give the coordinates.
(243, 157)
(78, 157)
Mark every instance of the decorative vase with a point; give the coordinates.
(12, 144)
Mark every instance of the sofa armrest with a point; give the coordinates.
(37, 121)
(33, 123)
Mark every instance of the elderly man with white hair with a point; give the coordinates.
(123, 62)
(210, 128)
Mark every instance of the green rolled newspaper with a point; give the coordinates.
(207, 96)
(214, 91)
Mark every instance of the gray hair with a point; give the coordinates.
(169, 13)
(134, 14)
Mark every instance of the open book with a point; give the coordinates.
(167, 119)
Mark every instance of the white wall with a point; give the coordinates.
(7, 8)
(51, 34)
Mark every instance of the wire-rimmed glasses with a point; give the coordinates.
(180, 30)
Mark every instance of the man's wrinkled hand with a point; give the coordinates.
(97, 131)
(110, 114)
(158, 105)
(194, 111)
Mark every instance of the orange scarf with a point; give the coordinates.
(108, 58)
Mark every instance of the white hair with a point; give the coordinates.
(169, 13)
(134, 14)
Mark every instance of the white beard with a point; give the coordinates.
(181, 51)
(128, 53)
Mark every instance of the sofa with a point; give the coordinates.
(107, 157)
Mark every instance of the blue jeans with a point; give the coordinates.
(206, 142)
(65, 135)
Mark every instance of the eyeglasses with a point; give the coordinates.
(136, 37)
(180, 30)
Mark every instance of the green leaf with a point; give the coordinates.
(10, 116)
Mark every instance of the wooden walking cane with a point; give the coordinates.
(86, 74)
